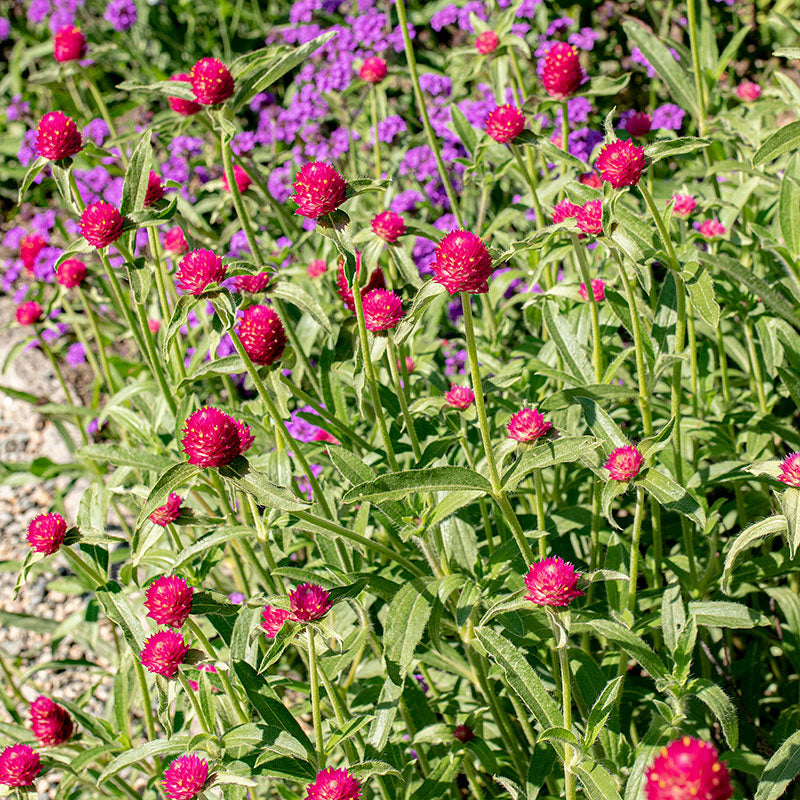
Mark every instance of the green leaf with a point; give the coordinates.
(789, 206)
(211, 601)
(140, 277)
(603, 427)
(185, 304)
(701, 290)
(175, 477)
(790, 505)
(182, 89)
(657, 151)
(293, 294)
(399, 485)
(119, 611)
(605, 85)
(601, 710)
(240, 474)
(405, 624)
(134, 187)
(159, 747)
(631, 644)
(427, 293)
(465, 131)
(120, 456)
(781, 769)
(599, 785)
(746, 539)
(672, 496)
(782, 141)
(211, 539)
(724, 614)
(567, 345)
(33, 170)
(720, 706)
(358, 186)
(558, 451)
(673, 615)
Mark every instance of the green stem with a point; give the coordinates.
(540, 517)
(633, 572)
(313, 670)
(566, 701)
(691, 13)
(147, 706)
(201, 717)
(104, 113)
(373, 101)
(597, 345)
(529, 178)
(67, 395)
(391, 355)
(564, 126)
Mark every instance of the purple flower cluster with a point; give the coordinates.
(121, 14)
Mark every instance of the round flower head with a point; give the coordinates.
(590, 179)
(252, 283)
(212, 438)
(383, 310)
(155, 326)
(29, 247)
(169, 600)
(318, 190)
(460, 397)
(50, 723)
(168, 513)
(243, 180)
(552, 582)
(590, 217)
(748, 91)
(376, 281)
(155, 189)
(185, 777)
(71, 273)
(199, 269)
(505, 123)
(272, 620)
(262, 334)
(28, 313)
(638, 123)
(69, 44)
(564, 210)
(790, 470)
(317, 267)
(373, 70)
(309, 602)
(388, 226)
(683, 205)
(211, 81)
(175, 242)
(598, 290)
(57, 136)
(620, 163)
(688, 768)
(624, 463)
(527, 425)
(19, 765)
(487, 42)
(163, 653)
(561, 71)
(46, 533)
(711, 228)
(334, 784)
(463, 263)
(186, 108)
(463, 733)
(101, 224)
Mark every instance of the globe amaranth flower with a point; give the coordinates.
(552, 582)
(376, 281)
(388, 226)
(46, 533)
(790, 470)
(19, 765)
(163, 653)
(383, 310)
(169, 512)
(688, 768)
(198, 269)
(637, 123)
(711, 228)
(487, 42)
(252, 283)
(175, 242)
(101, 224)
(527, 425)
(272, 620)
(462, 263)
(212, 82)
(463, 733)
(186, 108)
(243, 180)
(169, 600)
(317, 266)
(28, 313)
(373, 70)
(319, 189)
(624, 463)
(683, 205)
(51, 724)
(334, 784)
(590, 217)
(29, 247)
(620, 163)
(309, 602)
(505, 123)
(71, 273)
(598, 290)
(57, 136)
(262, 335)
(155, 189)
(564, 209)
(748, 91)
(561, 71)
(460, 397)
(590, 179)
(185, 777)
(212, 438)
(69, 44)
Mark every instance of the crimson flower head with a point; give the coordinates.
(163, 653)
(168, 513)
(319, 189)
(252, 283)
(212, 82)
(309, 602)
(155, 189)
(624, 463)
(58, 136)
(155, 326)
(29, 247)
(487, 42)
(564, 210)
(50, 723)
(748, 91)
(199, 269)
(334, 784)
(19, 765)
(383, 310)
(373, 70)
(388, 225)
(527, 425)
(28, 313)
(69, 44)
(711, 228)
(561, 71)
(101, 224)
(317, 267)
(46, 533)
(590, 179)
(376, 281)
(243, 180)
(186, 108)
(212, 438)
(463, 263)
(175, 242)
(460, 397)
(683, 205)
(552, 582)
(185, 777)
(169, 600)
(590, 217)
(598, 290)
(638, 124)
(620, 163)
(463, 733)
(262, 334)
(790, 470)
(505, 123)
(71, 273)
(688, 768)
(272, 620)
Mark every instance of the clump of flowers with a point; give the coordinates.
(711, 228)
(505, 123)
(376, 281)
(155, 189)
(319, 189)
(262, 335)
(620, 163)
(460, 397)
(383, 310)
(19, 765)
(186, 108)
(748, 91)
(199, 269)
(552, 582)
(683, 205)
(169, 601)
(252, 283)
(388, 226)
(170, 511)
(463, 263)
(69, 44)
(487, 42)
(688, 768)
(71, 273)
(272, 620)
(51, 724)
(561, 71)
(58, 137)
(175, 242)
(101, 224)
(598, 290)
(373, 70)
(212, 438)
(28, 313)
(527, 425)
(185, 777)
(163, 653)
(46, 533)
(624, 463)
(243, 180)
(212, 82)
(790, 470)
(334, 784)
(309, 602)
(589, 217)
